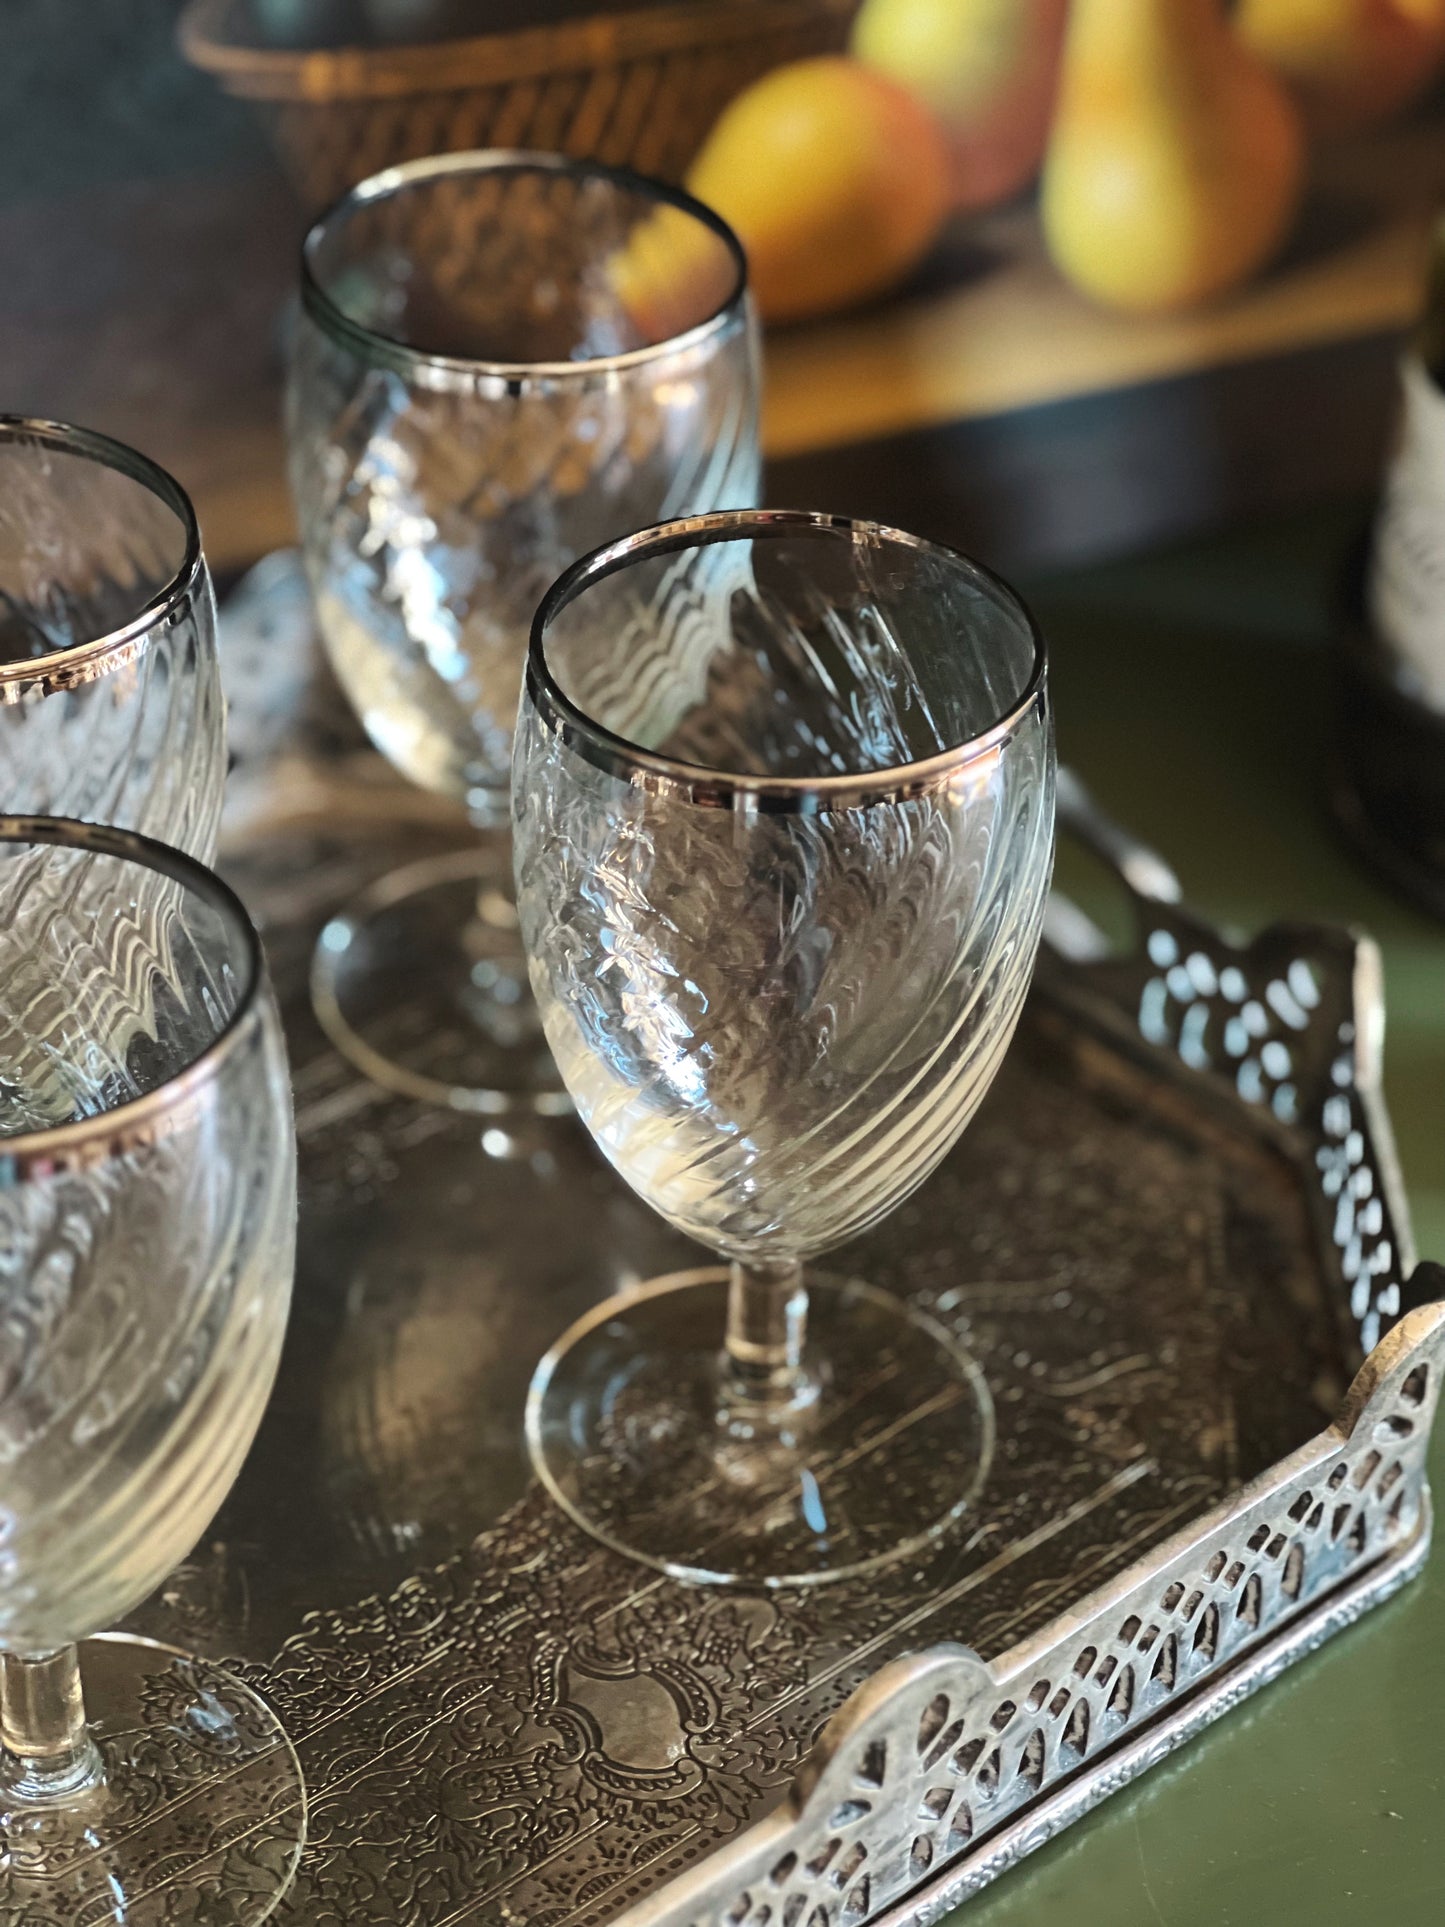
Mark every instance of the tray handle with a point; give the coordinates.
(1292, 1022)
(942, 1758)
(1145, 876)
(1140, 867)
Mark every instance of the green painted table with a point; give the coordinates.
(1195, 697)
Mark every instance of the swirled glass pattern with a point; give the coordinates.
(110, 696)
(502, 361)
(147, 1220)
(780, 922)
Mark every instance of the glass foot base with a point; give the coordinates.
(633, 1430)
(199, 1819)
(422, 984)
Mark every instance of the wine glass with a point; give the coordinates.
(783, 819)
(147, 1237)
(502, 360)
(110, 693)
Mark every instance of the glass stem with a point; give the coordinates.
(767, 1322)
(50, 1754)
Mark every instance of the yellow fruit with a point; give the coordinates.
(1176, 159)
(1351, 63)
(986, 68)
(834, 178)
(672, 273)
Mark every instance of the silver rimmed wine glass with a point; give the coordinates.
(110, 693)
(783, 817)
(503, 359)
(147, 1235)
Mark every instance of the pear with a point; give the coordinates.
(986, 68)
(1176, 158)
(1350, 63)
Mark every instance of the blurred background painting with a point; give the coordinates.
(958, 213)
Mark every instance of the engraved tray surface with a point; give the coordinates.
(1170, 1237)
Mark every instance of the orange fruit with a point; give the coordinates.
(835, 179)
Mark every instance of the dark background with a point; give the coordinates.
(94, 91)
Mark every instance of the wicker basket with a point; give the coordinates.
(636, 89)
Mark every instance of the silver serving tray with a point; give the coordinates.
(1174, 1236)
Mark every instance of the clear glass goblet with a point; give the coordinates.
(503, 360)
(147, 1237)
(110, 694)
(783, 816)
